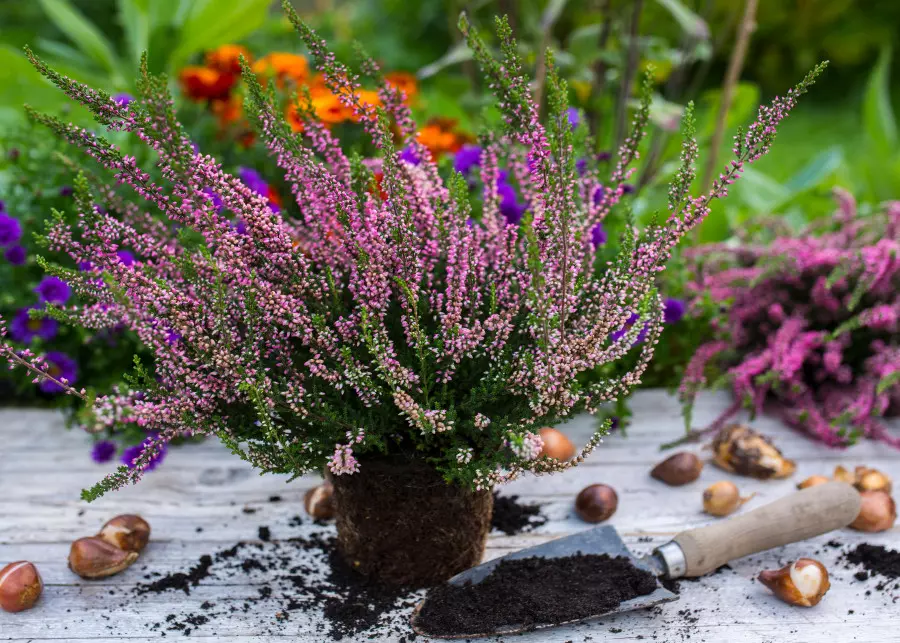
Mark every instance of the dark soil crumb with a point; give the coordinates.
(834, 544)
(512, 517)
(876, 559)
(275, 498)
(265, 534)
(180, 580)
(528, 592)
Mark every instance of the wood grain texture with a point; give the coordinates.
(202, 500)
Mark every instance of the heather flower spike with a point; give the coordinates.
(383, 318)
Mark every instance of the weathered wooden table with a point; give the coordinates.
(204, 500)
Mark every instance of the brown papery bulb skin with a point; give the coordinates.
(319, 501)
(556, 445)
(20, 586)
(127, 532)
(743, 450)
(802, 583)
(596, 503)
(678, 469)
(722, 498)
(812, 481)
(872, 480)
(878, 512)
(93, 558)
(842, 475)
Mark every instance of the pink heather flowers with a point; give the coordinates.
(810, 327)
(387, 305)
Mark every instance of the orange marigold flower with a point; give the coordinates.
(226, 58)
(227, 110)
(439, 137)
(405, 81)
(368, 99)
(292, 116)
(284, 67)
(205, 83)
(330, 110)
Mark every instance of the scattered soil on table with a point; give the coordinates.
(674, 584)
(876, 561)
(180, 580)
(513, 517)
(301, 575)
(529, 592)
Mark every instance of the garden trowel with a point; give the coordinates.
(801, 515)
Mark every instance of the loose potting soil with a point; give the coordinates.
(877, 560)
(529, 592)
(512, 517)
(302, 575)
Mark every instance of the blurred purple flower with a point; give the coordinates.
(15, 255)
(510, 207)
(466, 158)
(61, 366)
(627, 188)
(123, 99)
(598, 235)
(53, 290)
(619, 334)
(103, 451)
(10, 230)
(409, 155)
(129, 455)
(2, 206)
(252, 179)
(581, 166)
(85, 266)
(24, 329)
(574, 117)
(673, 310)
(215, 198)
(66, 190)
(126, 257)
(598, 195)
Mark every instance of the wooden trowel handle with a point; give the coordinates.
(801, 515)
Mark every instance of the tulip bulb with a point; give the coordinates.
(93, 557)
(872, 480)
(678, 469)
(812, 481)
(596, 503)
(802, 583)
(556, 445)
(723, 498)
(739, 449)
(878, 512)
(128, 532)
(319, 501)
(20, 586)
(842, 475)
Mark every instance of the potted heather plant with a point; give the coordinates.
(387, 336)
(809, 328)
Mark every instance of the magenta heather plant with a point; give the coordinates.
(387, 320)
(809, 325)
